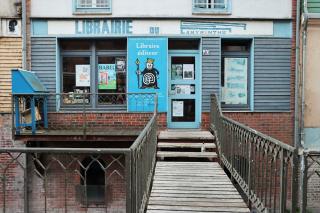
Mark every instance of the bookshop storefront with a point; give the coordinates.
(182, 61)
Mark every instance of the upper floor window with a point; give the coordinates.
(211, 6)
(92, 6)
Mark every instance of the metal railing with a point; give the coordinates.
(310, 179)
(71, 179)
(265, 168)
(76, 111)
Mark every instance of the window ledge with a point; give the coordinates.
(211, 12)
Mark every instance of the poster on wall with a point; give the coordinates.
(82, 75)
(235, 81)
(107, 78)
(147, 71)
(177, 108)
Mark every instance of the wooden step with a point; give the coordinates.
(165, 154)
(186, 145)
(185, 135)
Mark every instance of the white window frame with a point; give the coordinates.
(212, 6)
(92, 6)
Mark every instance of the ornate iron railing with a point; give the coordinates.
(82, 113)
(75, 179)
(265, 168)
(310, 179)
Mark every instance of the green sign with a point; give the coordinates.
(107, 77)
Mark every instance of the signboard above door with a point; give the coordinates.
(127, 27)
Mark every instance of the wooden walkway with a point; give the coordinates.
(193, 187)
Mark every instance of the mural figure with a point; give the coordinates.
(149, 75)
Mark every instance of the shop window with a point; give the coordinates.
(111, 44)
(93, 181)
(183, 44)
(211, 6)
(76, 77)
(235, 75)
(95, 6)
(97, 67)
(75, 45)
(111, 80)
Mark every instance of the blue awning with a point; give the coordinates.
(26, 82)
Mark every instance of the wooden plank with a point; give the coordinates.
(186, 145)
(187, 154)
(191, 135)
(203, 209)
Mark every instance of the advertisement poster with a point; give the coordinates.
(82, 75)
(235, 82)
(147, 71)
(121, 64)
(107, 78)
(188, 71)
(177, 108)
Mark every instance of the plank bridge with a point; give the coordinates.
(187, 177)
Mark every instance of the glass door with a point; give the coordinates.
(184, 91)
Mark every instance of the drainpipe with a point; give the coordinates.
(304, 50)
(24, 34)
(297, 128)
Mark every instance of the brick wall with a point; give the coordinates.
(65, 121)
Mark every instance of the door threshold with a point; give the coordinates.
(183, 129)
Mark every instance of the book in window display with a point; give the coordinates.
(176, 71)
(120, 64)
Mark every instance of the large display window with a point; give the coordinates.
(95, 67)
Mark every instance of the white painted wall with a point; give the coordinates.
(167, 8)
(7, 8)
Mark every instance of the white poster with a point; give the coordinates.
(82, 75)
(188, 71)
(183, 89)
(177, 108)
(235, 81)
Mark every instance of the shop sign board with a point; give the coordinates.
(147, 71)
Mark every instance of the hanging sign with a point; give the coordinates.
(147, 70)
(82, 75)
(235, 90)
(107, 78)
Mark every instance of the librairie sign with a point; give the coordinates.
(124, 27)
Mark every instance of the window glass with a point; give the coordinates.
(94, 182)
(76, 79)
(111, 44)
(183, 44)
(111, 79)
(75, 44)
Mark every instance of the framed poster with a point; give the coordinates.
(176, 71)
(183, 89)
(177, 108)
(188, 71)
(235, 81)
(83, 75)
(107, 77)
(121, 65)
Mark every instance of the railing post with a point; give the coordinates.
(84, 117)
(295, 181)
(249, 175)
(26, 187)
(304, 186)
(155, 103)
(129, 189)
(283, 181)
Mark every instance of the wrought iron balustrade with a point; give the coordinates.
(265, 169)
(310, 178)
(58, 179)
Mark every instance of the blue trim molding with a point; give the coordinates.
(39, 27)
(282, 29)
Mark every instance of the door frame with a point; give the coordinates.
(198, 85)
